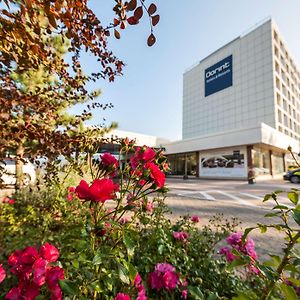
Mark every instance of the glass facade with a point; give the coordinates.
(177, 163)
(261, 161)
(277, 163)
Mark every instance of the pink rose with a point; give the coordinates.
(121, 296)
(195, 219)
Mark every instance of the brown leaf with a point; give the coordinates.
(138, 13)
(117, 34)
(132, 21)
(35, 49)
(152, 9)
(52, 20)
(155, 20)
(131, 5)
(151, 40)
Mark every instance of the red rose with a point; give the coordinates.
(142, 155)
(156, 174)
(49, 252)
(29, 255)
(100, 190)
(54, 274)
(148, 154)
(39, 271)
(13, 294)
(109, 160)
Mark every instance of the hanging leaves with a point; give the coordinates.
(117, 34)
(155, 20)
(27, 50)
(138, 13)
(132, 21)
(151, 40)
(152, 9)
(131, 5)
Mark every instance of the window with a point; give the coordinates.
(277, 163)
(275, 36)
(261, 161)
(285, 120)
(278, 98)
(276, 51)
(279, 114)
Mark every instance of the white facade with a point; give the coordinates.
(140, 139)
(245, 98)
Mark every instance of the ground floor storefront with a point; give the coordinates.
(259, 161)
(260, 152)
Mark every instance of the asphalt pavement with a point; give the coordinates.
(207, 198)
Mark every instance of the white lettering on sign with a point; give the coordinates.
(217, 70)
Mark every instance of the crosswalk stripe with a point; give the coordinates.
(207, 196)
(190, 194)
(252, 196)
(239, 200)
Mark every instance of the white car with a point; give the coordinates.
(8, 172)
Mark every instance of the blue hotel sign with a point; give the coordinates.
(219, 76)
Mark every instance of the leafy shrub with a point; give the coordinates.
(115, 241)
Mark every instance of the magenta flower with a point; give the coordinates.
(244, 248)
(180, 235)
(121, 296)
(195, 219)
(184, 294)
(33, 269)
(164, 267)
(13, 294)
(2, 273)
(164, 276)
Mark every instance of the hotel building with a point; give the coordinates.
(241, 110)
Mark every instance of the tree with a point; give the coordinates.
(32, 112)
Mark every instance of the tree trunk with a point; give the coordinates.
(19, 167)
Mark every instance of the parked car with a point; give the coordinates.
(8, 172)
(293, 176)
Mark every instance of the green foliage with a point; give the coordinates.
(104, 245)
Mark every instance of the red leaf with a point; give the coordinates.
(116, 22)
(123, 25)
(152, 9)
(151, 40)
(132, 21)
(155, 20)
(138, 13)
(131, 5)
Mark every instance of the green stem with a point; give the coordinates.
(282, 265)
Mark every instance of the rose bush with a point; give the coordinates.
(115, 240)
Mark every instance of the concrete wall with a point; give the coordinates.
(247, 103)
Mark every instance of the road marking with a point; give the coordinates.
(190, 195)
(252, 196)
(207, 196)
(239, 200)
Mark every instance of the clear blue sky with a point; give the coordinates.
(148, 98)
